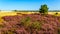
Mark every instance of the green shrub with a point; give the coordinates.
(58, 31)
(25, 21)
(36, 25)
(56, 13)
(7, 32)
(1, 26)
(10, 32)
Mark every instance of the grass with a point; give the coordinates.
(53, 13)
(15, 13)
(12, 13)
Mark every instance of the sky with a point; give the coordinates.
(28, 4)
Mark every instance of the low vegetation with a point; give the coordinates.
(26, 21)
(31, 23)
(36, 25)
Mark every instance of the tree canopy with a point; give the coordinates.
(43, 9)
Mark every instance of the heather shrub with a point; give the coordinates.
(31, 23)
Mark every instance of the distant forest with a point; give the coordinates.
(34, 10)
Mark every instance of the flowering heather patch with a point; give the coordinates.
(30, 24)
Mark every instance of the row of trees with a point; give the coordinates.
(43, 9)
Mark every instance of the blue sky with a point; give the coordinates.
(28, 4)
